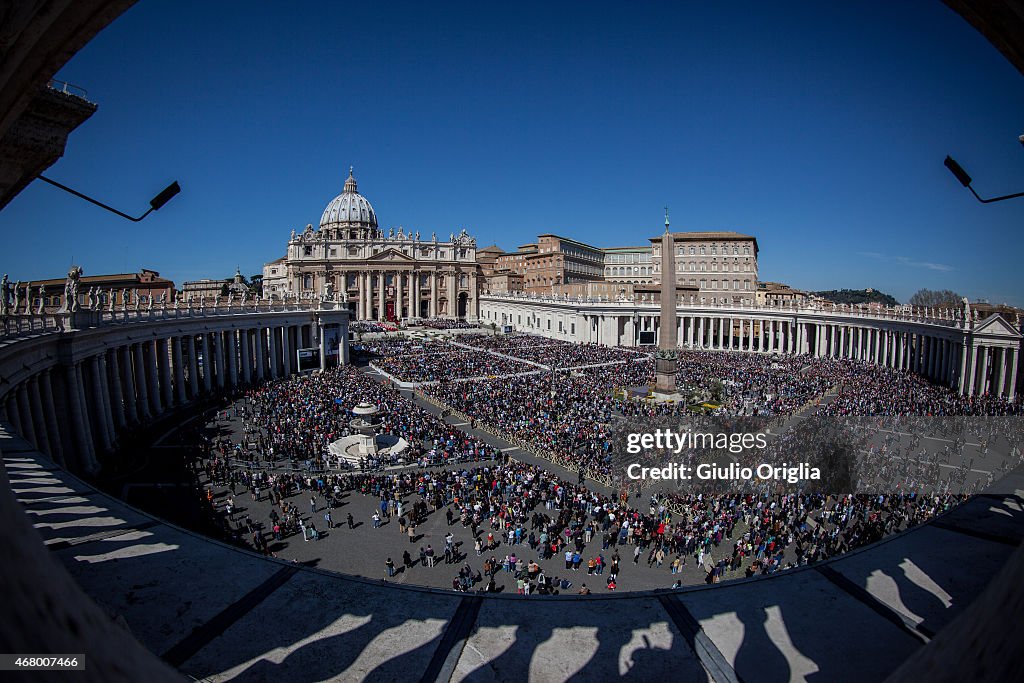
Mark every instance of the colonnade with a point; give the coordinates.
(397, 293)
(973, 357)
(110, 379)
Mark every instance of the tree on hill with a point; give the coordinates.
(942, 298)
(857, 296)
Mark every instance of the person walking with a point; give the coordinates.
(351, 521)
(390, 567)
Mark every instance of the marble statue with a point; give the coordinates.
(125, 296)
(149, 302)
(135, 298)
(42, 299)
(111, 297)
(417, 235)
(5, 291)
(328, 291)
(71, 288)
(433, 237)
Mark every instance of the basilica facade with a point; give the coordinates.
(384, 276)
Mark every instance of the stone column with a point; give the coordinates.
(472, 305)
(399, 294)
(972, 362)
(261, 362)
(1012, 391)
(142, 382)
(50, 413)
(207, 363)
(218, 361)
(149, 355)
(116, 395)
(1000, 370)
(414, 293)
(178, 363)
(382, 296)
(193, 365)
(39, 425)
(453, 294)
(106, 410)
(983, 383)
(25, 421)
(231, 350)
(323, 348)
(163, 364)
(435, 281)
(245, 339)
(273, 339)
(126, 373)
(86, 453)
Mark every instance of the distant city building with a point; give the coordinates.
(499, 283)
(211, 289)
(779, 294)
(553, 260)
(391, 276)
(629, 264)
(145, 284)
(722, 266)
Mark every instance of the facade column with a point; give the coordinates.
(414, 293)
(193, 365)
(152, 382)
(382, 295)
(453, 295)
(261, 365)
(274, 336)
(207, 364)
(164, 366)
(25, 421)
(1013, 375)
(983, 380)
(50, 414)
(101, 405)
(231, 350)
(245, 339)
(108, 409)
(399, 294)
(142, 382)
(179, 371)
(1000, 372)
(721, 333)
(117, 397)
(39, 425)
(86, 454)
(131, 400)
(972, 362)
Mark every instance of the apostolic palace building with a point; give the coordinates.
(381, 276)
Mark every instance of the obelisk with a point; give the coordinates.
(666, 359)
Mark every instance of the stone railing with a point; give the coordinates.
(30, 323)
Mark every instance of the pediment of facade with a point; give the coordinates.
(996, 325)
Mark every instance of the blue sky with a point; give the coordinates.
(820, 128)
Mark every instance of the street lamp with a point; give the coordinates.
(965, 180)
(155, 203)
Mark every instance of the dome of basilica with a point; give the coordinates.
(349, 209)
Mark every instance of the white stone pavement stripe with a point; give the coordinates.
(719, 670)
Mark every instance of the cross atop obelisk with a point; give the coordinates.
(665, 359)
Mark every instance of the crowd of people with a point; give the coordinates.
(448, 366)
(525, 520)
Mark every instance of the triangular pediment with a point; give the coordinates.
(391, 255)
(996, 325)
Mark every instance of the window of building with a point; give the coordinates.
(307, 251)
(702, 251)
(703, 284)
(746, 251)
